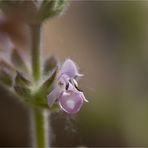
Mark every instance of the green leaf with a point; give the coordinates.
(49, 65)
(18, 61)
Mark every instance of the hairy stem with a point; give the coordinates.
(35, 50)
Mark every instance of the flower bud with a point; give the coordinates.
(32, 11)
(51, 8)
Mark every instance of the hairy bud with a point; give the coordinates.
(32, 11)
(51, 8)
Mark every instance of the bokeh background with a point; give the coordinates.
(109, 42)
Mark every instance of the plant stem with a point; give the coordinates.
(35, 50)
(40, 127)
(39, 118)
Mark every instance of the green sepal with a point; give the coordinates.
(5, 78)
(39, 98)
(7, 73)
(24, 92)
(49, 65)
(21, 80)
(47, 85)
(17, 61)
(22, 86)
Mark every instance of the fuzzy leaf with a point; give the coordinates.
(49, 65)
(18, 61)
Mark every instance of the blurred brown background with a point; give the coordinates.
(109, 41)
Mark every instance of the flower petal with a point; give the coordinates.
(53, 96)
(71, 102)
(69, 68)
(72, 87)
(61, 82)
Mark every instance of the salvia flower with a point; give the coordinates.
(66, 92)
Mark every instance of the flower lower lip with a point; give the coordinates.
(71, 103)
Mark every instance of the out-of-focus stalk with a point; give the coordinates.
(39, 116)
(40, 128)
(35, 50)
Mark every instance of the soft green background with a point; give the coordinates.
(109, 41)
